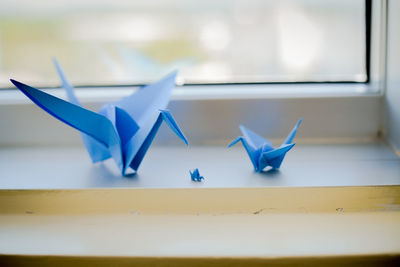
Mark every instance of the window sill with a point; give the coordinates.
(168, 167)
(54, 202)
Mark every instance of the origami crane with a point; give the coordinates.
(195, 175)
(123, 130)
(261, 151)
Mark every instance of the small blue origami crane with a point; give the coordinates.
(261, 151)
(123, 130)
(195, 175)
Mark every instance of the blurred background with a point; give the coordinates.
(114, 42)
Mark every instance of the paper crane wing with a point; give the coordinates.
(275, 157)
(66, 85)
(292, 133)
(94, 125)
(254, 139)
(148, 99)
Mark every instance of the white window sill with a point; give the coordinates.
(306, 165)
(326, 201)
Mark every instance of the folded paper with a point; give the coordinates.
(195, 175)
(123, 130)
(260, 150)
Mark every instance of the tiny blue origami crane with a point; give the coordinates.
(261, 151)
(123, 130)
(195, 175)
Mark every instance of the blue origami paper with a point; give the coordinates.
(195, 175)
(260, 150)
(123, 130)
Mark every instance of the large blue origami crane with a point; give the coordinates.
(123, 130)
(261, 151)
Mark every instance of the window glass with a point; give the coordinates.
(210, 41)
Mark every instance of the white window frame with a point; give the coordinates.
(353, 110)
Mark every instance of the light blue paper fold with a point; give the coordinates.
(260, 150)
(123, 130)
(96, 150)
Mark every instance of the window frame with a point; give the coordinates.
(375, 13)
(356, 100)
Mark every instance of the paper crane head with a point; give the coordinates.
(123, 130)
(260, 150)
